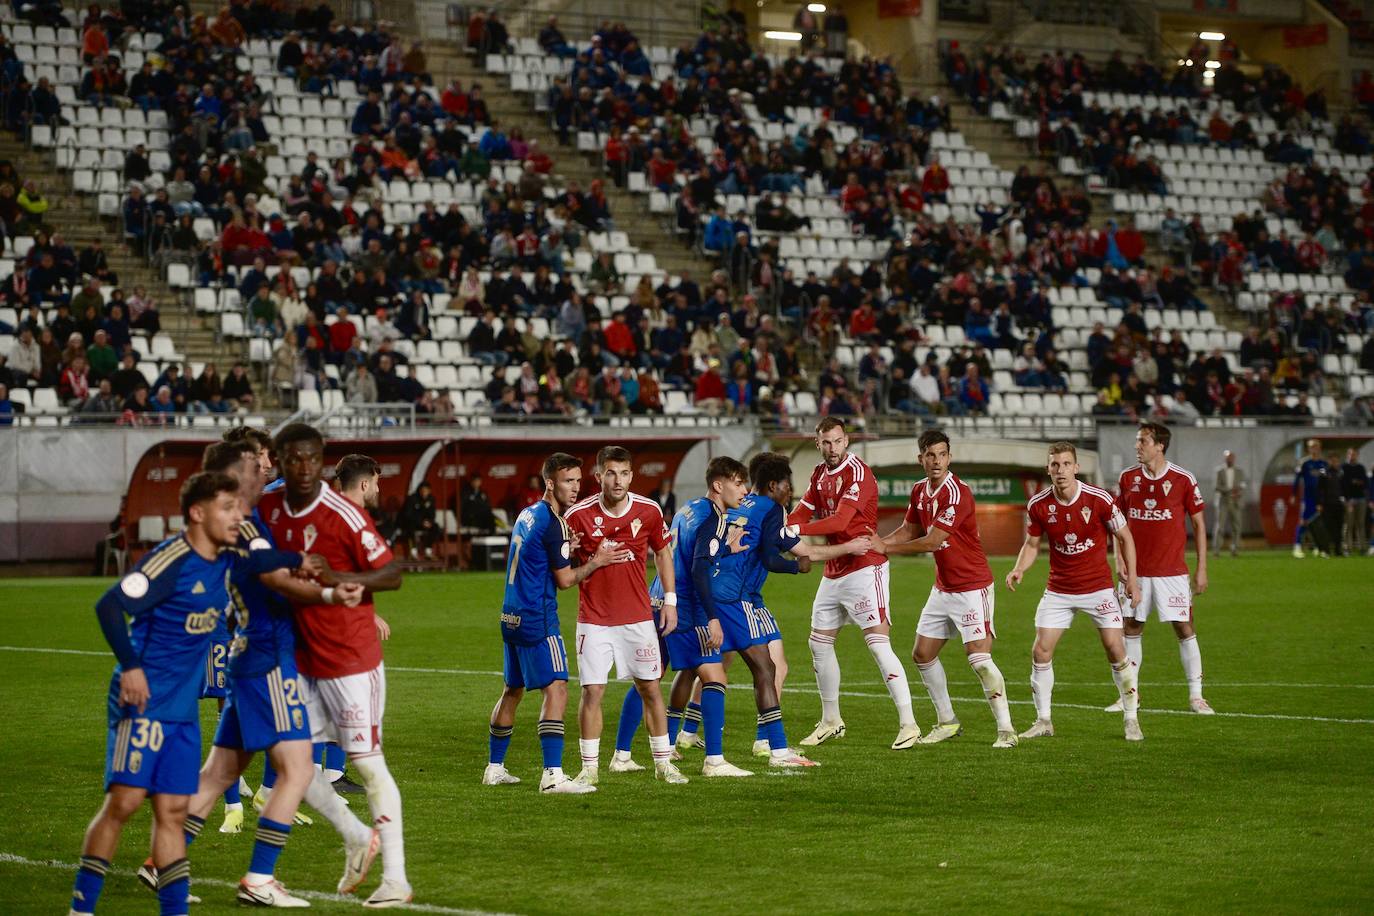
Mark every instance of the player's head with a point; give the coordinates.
(211, 505)
(1063, 464)
(261, 440)
(240, 461)
(771, 476)
(359, 479)
(562, 475)
(727, 480)
(300, 451)
(933, 449)
(615, 470)
(1314, 448)
(833, 440)
(1230, 457)
(1151, 442)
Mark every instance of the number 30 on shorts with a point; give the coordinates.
(147, 733)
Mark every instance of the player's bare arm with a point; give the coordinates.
(821, 553)
(348, 594)
(663, 560)
(909, 539)
(1125, 551)
(834, 524)
(1200, 541)
(608, 553)
(383, 628)
(1030, 549)
(386, 579)
(133, 689)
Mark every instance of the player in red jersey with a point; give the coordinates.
(339, 651)
(615, 621)
(842, 498)
(940, 520)
(1079, 519)
(1156, 496)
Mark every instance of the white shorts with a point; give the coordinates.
(860, 596)
(1170, 596)
(632, 647)
(1056, 611)
(967, 615)
(346, 710)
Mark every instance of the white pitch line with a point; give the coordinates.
(470, 672)
(9, 858)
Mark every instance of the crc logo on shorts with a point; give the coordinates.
(971, 618)
(1179, 601)
(863, 605)
(646, 653)
(1106, 607)
(353, 715)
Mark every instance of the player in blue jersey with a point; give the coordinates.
(174, 598)
(1307, 495)
(538, 565)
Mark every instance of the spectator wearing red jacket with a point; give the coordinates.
(852, 193)
(935, 182)
(710, 392)
(620, 340)
(455, 101)
(341, 334)
(662, 171)
(617, 156)
(864, 321)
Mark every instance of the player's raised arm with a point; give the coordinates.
(1030, 549)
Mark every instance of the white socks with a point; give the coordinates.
(384, 801)
(1042, 687)
(661, 749)
(321, 796)
(1191, 656)
(591, 751)
(894, 675)
(827, 668)
(933, 676)
(1135, 650)
(994, 687)
(1123, 673)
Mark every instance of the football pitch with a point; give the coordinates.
(1265, 807)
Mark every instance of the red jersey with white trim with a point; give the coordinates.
(333, 640)
(616, 594)
(960, 563)
(1078, 532)
(1155, 508)
(851, 481)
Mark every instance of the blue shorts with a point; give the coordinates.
(687, 648)
(536, 667)
(767, 622)
(216, 672)
(1309, 512)
(263, 710)
(745, 626)
(161, 757)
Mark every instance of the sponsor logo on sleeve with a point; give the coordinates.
(134, 585)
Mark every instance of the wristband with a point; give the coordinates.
(327, 595)
(670, 598)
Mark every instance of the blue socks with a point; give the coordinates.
(269, 773)
(691, 720)
(192, 828)
(500, 741)
(631, 714)
(231, 794)
(674, 723)
(90, 881)
(173, 886)
(268, 844)
(713, 715)
(551, 742)
(333, 758)
(770, 724)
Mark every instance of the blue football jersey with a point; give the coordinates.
(683, 532)
(764, 522)
(264, 634)
(538, 546)
(1308, 479)
(175, 598)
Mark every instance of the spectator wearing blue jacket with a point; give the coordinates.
(719, 234)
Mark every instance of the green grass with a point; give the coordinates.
(1230, 813)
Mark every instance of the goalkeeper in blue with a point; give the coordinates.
(174, 599)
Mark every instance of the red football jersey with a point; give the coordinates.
(851, 481)
(1155, 508)
(960, 564)
(619, 593)
(332, 640)
(1078, 532)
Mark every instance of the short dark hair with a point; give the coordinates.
(930, 438)
(1062, 446)
(609, 453)
(221, 456)
(203, 487)
(297, 432)
(723, 467)
(769, 468)
(353, 468)
(261, 438)
(558, 461)
(1158, 432)
(829, 423)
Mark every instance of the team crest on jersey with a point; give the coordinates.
(1166, 486)
(296, 718)
(309, 534)
(1087, 513)
(1053, 507)
(1150, 503)
(1135, 484)
(597, 521)
(1070, 538)
(635, 525)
